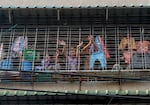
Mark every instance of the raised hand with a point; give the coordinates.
(61, 42)
(57, 53)
(80, 44)
(90, 37)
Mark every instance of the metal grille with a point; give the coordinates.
(44, 39)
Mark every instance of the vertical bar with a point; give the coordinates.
(69, 41)
(142, 39)
(10, 43)
(90, 33)
(45, 43)
(33, 70)
(145, 63)
(128, 33)
(103, 37)
(116, 47)
(34, 49)
(118, 51)
(131, 52)
(57, 46)
(20, 61)
(9, 16)
(1, 34)
(105, 42)
(79, 49)
(68, 32)
(47, 40)
(1, 52)
(58, 14)
(107, 13)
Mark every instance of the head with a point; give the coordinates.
(47, 57)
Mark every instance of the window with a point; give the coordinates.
(114, 50)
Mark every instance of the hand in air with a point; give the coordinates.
(90, 38)
(80, 44)
(61, 42)
(57, 53)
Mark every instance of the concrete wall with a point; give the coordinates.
(74, 3)
(62, 86)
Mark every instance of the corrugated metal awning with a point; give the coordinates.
(15, 92)
(71, 3)
(82, 97)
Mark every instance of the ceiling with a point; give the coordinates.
(75, 16)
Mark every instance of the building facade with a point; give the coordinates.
(76, 47)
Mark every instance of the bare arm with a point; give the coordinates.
(64, 51)
(64, 47)
(91, 41)
(90, 38)
(77, 49)
(95, 46)
(87, 46)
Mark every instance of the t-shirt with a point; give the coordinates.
(29, 54)
(71, 63)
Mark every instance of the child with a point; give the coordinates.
(96, 52)
(87, 50)
(45, 63)
(71, 59)
(55, 61)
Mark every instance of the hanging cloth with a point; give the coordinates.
(104, 49)
(1, 50)
(20, 44)
(98, 55)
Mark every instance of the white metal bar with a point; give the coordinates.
(116, 46)
(45, 42)
(105, 42)
(79, 60)
(118, 51)
(68, 33)
(57, 47)
(21, 56)
(35, 43)
(10, 43)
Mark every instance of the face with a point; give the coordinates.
(47, 57)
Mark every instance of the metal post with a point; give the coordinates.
(58, 14)
(33, 70)
(10, 43)
(79, 49)
(45, 42)
(57, 47)
(107, 13)
(10, 16)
